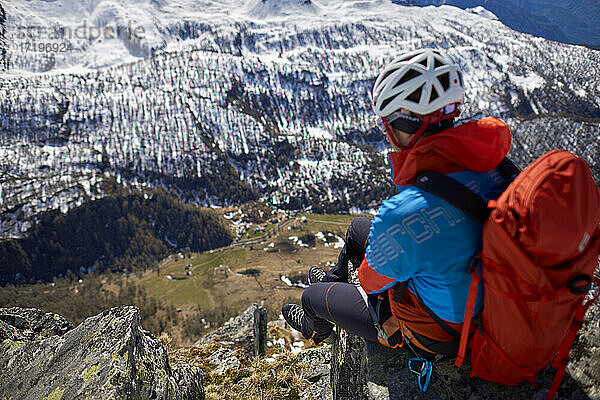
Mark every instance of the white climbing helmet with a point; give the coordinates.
(422, 81)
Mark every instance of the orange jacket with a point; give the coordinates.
(477, 146)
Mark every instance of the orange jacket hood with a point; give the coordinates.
(477, 146)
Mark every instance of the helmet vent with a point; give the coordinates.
(434, 94)
(385, 103)
(410, 74)
(415, 96)
(445, 80)
(420, 81)
(388, 74)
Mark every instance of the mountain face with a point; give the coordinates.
(3, 42)
(571, 21)
(232, 102)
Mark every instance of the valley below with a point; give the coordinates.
(188, 294)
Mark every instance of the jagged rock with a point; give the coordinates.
(348, 367)
(108, 356)
(585, 354)
(23, 324)
(189, 380)
(318, 360)
(348, 359)
(259, 328)
(389, 378)
(247, 331)
(224, 359)
(370, 371)
(244, 335)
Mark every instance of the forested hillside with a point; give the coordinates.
(3, 42)
(264, 100)
(125, 231)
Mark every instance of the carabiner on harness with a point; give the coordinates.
(422, 368)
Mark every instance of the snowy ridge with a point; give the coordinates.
(109, 32)
(236, 105)
(265, 9)
(479, 10)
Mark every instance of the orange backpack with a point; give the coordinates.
(541, 245)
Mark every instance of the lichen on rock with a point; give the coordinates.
(108, 356)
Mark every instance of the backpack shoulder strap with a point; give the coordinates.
(475, 207)
(562, 358)
(459, 195)
(454, 193)
(508, 168)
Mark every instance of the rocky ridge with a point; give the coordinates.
(108, 356)
(370, 371)
(378, 373)
(111, 356)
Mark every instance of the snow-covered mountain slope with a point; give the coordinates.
(102, 33)
(270, 99)
(3, 40)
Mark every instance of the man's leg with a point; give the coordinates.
(337, 302)
(354, 249)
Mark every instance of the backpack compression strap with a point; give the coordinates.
(562, 358)
(402, 286)
(471, 299)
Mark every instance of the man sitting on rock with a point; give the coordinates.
(414, 255)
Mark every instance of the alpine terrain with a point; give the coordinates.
(221, 102)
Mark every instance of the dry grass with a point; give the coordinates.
(255, 379)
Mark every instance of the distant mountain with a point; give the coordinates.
(578, 19)
(265, 9)
(273, 105)
(571, 21)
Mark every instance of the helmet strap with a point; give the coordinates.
(429, 119)
(390, 133)
(416, 136)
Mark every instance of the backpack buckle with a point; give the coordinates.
(576, 286)
(417, 365)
